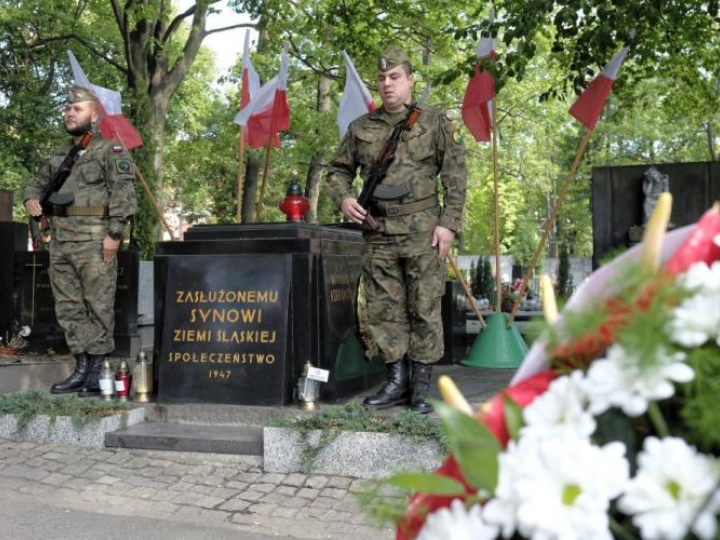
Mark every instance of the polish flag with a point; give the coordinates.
(480, 91)
(356, 99)
(268, 113)
(113, 125)
(590, 104)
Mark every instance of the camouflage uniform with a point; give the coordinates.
(83, 284)
(403, 277)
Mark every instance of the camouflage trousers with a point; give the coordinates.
(404, 282)
(84, 289)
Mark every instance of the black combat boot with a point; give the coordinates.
(421, 376)
(92, 384)
(396, 390)
(76, 379)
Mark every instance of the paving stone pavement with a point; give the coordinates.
(218, 490)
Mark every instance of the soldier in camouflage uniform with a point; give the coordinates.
(404, 269)
(85, 239)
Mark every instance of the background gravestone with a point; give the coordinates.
(617, 200)
(35, 306)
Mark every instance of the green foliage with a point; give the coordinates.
(27, 405)
(513, 416)
(699, 410)
(427, 483)
(474, 447)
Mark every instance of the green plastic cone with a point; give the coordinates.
(497, 346)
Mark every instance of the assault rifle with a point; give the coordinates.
(380, 167)
(52, 199)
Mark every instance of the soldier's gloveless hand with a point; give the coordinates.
(352, 210)
(33, 207)
(110, 249)
(442, 239)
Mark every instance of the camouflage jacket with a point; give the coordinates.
(101, 177)
(430, 150)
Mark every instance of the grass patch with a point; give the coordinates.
(27, 405)
(354, 417)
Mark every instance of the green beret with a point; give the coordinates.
(77, 94)
(391, 57)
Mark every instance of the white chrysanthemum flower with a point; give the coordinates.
(562, 406)
(696, 320)
(702, 278)
(457, 523)
(674, 485)
(622, 380)
(557, 487)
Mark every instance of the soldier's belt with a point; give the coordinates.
(392, 210)
(86, 211)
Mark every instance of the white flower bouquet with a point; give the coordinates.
(610, 428)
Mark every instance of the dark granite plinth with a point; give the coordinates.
(13, 238)
(294, 283)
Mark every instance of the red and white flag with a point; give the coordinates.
(268, 113)
(356, 99)
(479, 94)
(590, 103)
(250, 77)
(113, 125)
(250, 80)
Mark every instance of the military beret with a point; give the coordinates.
(391, 57)
(78, 93)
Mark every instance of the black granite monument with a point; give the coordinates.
(239, 309)
(618, 200)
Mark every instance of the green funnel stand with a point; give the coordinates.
(497, 346)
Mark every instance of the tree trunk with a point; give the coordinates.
(314, 176)
(252, 173)
(711, 142)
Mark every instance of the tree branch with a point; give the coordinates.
(175, 24)
(330, 73)
(42, 42)
(216, 30)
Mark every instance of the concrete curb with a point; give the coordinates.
(357, 454)
(43, 430)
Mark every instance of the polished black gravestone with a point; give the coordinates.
(13, 239)
(617, 200)
(36, 306)
(239, 309)
(454, 317)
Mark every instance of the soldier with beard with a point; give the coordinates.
(86, 237)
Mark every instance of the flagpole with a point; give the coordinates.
(241, 161)
(551, 222)
(496, 187)
(465, 287)
(147, 189)
(258, 205)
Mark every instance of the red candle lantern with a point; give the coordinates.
(295, 205)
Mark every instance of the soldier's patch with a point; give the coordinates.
(117, 149)
(123, 166)
(457, 137)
